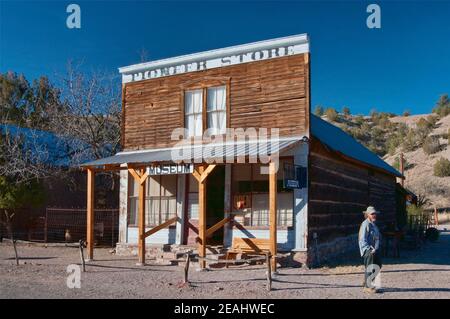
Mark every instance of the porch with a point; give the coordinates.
(205, 205)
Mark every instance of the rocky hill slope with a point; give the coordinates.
(423, 139)
(419, 171)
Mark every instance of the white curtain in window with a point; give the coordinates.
(193, 101)
(217, 110)
(193, 206)
(260, 209)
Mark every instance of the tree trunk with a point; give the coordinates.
(9, 229)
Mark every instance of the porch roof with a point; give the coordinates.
(198, 153)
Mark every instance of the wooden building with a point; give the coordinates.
(188, 177)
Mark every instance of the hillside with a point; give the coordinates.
(419, 168)
(423, 139)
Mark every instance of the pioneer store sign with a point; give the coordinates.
(216, 58)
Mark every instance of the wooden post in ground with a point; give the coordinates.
(186, 269)
(90, 213)
(269, 272)
(141, 221)
(15, 251)
(273, 213)
(202, 218)
(83, 264)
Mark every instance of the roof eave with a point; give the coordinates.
(232, 50)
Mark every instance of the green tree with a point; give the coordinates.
(392, 142)
(44, 103)
(423, 129)
(373, 113)
(15, 195)
(318, 110)
(331, 114)
(409, 142)
(14, 98)
(442, 107)
(384, 122)
(27, 105)
(424, 124)
(431, 145)
(359, 119)
(432, 119)
(20, 195)
(346, 111)
(442, 167)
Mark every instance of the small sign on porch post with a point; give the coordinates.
(294, 176)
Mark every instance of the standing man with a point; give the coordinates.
(369, 247)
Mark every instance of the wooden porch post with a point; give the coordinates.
(90, 213)
(141, 221)
(202, 218)
(273, 213)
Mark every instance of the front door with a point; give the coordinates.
(215, 192)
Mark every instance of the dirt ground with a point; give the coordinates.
(423, 273)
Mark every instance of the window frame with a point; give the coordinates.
(204, 86)
(134, 198)
(207, 113)
(252, 193)
(194, 114)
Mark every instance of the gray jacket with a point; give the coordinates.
(369, 237)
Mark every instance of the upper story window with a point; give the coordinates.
(206, 113)
(217, 110)
(193, 110)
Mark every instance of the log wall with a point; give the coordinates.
(340, 191)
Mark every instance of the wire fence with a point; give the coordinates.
(69, 225)
(64, 225)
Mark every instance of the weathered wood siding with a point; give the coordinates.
(340, 191)
(269, 93)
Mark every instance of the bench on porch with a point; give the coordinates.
(256, 246)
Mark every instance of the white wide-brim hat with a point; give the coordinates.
(371, 210)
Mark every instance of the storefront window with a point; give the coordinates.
(251, 196)
(161, 202)
(133, 193)
(193, 198)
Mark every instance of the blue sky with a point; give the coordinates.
(403, 65)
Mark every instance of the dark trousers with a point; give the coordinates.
(370, 259)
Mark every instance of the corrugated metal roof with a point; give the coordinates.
(194, 153)
(328, 134)
(341, 142)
